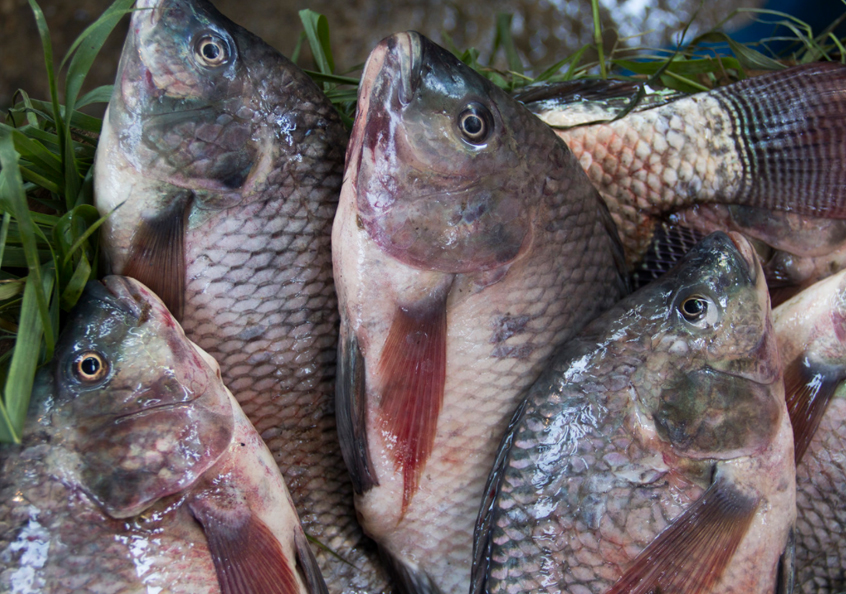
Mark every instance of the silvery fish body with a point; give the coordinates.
(468, 244)
(655, 453)
(138, 472)
(772, 142)
(222, 162)
(811, 331)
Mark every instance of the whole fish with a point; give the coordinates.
(224, 161)
(774, 142)
(467, 246)
(811, 330)
(138, 472)
(655, 453)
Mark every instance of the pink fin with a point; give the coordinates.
(692, 553)
(157, 255)
(808, 389)
(247, 556)
(413, 366)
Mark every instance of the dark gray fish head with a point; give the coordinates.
(202, 103)
(708, 386)
(446, 167)
(141, 408)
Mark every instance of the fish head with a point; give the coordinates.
(141, 411)
(711, 388)
(439, 161)
(197, 103)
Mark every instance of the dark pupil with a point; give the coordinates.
(90, 366)
(211, 51)
(693, 308)
(472, 124)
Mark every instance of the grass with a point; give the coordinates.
(48, 226)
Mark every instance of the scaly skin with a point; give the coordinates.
(630, 424)
(98, 497)
(771, 142)
(257, 152)
(412, 191)
(811, 327)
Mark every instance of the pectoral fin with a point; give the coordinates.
(692, 553)
(808, 388)
(157, 254)
(351, 412)
(413, 368)
(247, 556)
(307, 565)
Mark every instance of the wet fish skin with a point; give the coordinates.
(811, 330)
(462, 259)
(773, 141)
(636, 419)
(228, 176)
(119, 468)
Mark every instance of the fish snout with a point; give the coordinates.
(747, 255)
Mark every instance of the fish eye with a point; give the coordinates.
(211, 50)
(90, 367)
(698, 310)
(475, 123)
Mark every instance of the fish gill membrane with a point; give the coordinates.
(772, 143)
(468, 244)
(224, 163)
(655, 453)
(811, 331)
(138, 472)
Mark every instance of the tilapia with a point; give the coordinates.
(655, 453)
(222, 164)
(467, 246)
(811, 330)
(773, 142)
(138, 472)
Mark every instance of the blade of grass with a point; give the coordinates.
(504, 40)
(317, 32)
(597, 39)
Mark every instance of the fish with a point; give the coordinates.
(655, 453)
(219, 167)
(811, 332)
(138, 471)
(468, 244)
(772, 142)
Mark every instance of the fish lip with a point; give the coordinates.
(748, 259)
(154, 8)
(113, 291)
(165, 405)
(409, 54)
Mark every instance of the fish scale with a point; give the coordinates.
(228, 177)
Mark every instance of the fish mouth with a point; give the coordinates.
(153, 7)
(747, 254)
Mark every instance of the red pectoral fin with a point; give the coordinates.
(413, 368)
(247, 557)
(692, 553)
(157, 255)
(808, 389)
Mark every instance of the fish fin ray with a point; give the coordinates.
(786, 572)
(247, 557)
(351, 412)
(157, 254)
(406, 579)
(413, 365)
(808, 389)
(691, 554)
(789, 129)
(307, 565)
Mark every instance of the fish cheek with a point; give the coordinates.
(131, 461)
(706, 414)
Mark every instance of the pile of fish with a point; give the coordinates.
(434, 338)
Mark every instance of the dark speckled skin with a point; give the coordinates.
(250, 153)
(632, 422)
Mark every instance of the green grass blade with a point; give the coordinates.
(14, 201)
(99, 95)
(317, 32)
(26, 355)
(504, 40)
(76, 284)
(47, 47)
(597, 39)
(4, 233)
